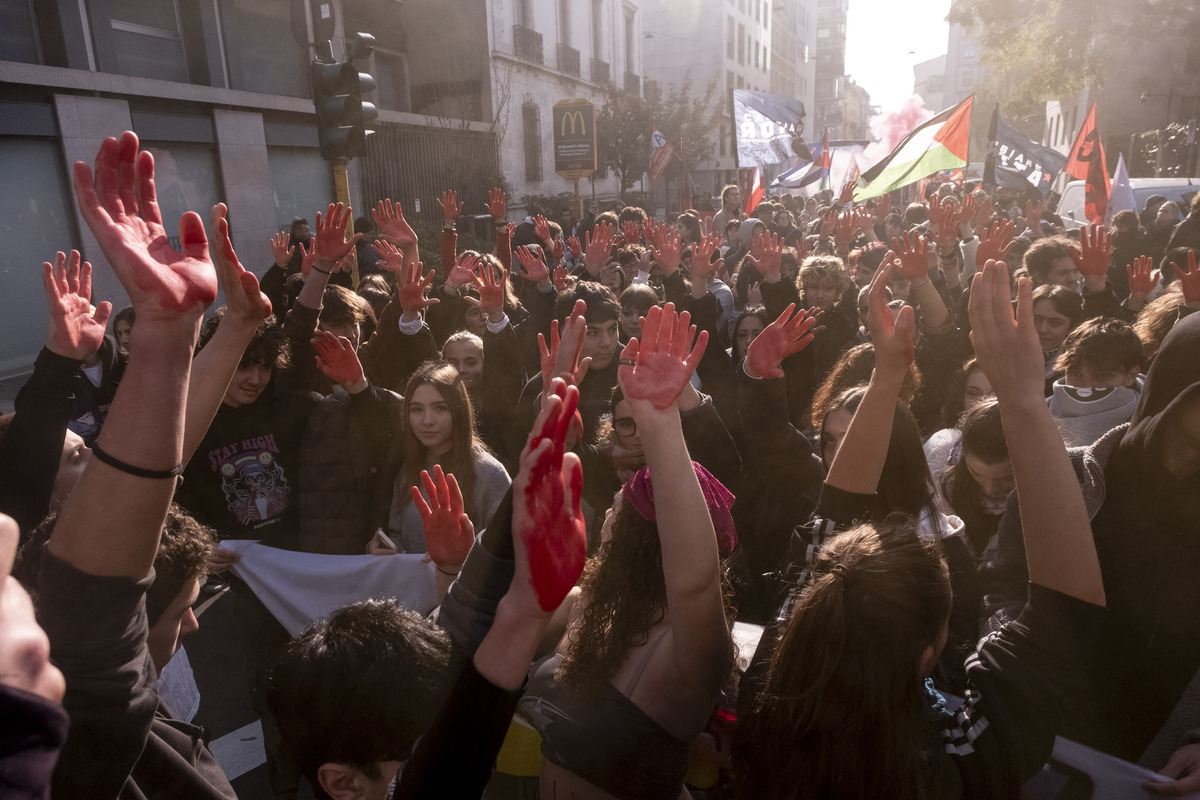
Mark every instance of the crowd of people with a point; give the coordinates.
(944, 456)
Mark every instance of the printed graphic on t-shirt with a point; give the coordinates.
(251, 477)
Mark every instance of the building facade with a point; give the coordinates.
(219, 91)
(685, 40)
(831, 67)
(929, 83)
(794, 58)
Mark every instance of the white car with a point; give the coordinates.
(1180, 190)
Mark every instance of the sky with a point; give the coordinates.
(884, 38)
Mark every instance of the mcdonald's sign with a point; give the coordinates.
(574, 138)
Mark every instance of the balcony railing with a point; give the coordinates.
(568, 60)
(528, 44)
(599, 71)
(633, 83)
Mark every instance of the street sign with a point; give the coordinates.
(574, 138)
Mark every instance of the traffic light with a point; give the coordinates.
(343, 118)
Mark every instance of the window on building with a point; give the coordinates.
(721, 136)
(261, 50)
(741, 43)
(186, 179)
(301, 182)
(598, 29)
(142, 39)
(731, 40)
(18, 33)
(531, 117)
(740, 83)
(757, 11)
(630, 43)
(757, 62)
(564, 22)
(524, 13)
(728, 80)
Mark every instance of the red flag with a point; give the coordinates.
(661, 153)
(757, 191)
(1086, 163)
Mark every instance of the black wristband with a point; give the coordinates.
(137, 472)
(322, 271)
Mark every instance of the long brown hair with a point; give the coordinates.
(625, 595)
(465, 449)
(845, 681)
(983, 438)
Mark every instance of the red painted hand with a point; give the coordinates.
(497, 204)
(330, 242)
(785, 336)
(657, 367)
(1033, 216)
(535, 268)
(550, 534)
(596, 247)
(703, 265)
(994, 244)
(883, 207)
(575, 246)
(120, 206)
(844, 232)
(864, 219)
(913, 250)
(891, 337)
(463, 271)
(1190, 280)
(631, 232)
(541, 228)
(769, 258)
(449, 533)
(451, 208)
(336, 359)
(243, 299)
(1094, 251)
(74, 332)
(847, 195)
(491, 291)
(281, 249)
(829, 223)
(561, 358)
(389, 218)
(561, 279)
(668, 250)
(413, 287)
(1143, 277)
(556, 252)
(391, 259)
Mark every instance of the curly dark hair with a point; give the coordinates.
(269, 346)
(625, 596)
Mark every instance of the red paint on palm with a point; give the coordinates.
(786, 336)
(451, 208)
(449, 533)
(412, 288)
(336, 358)
(913, 250)
(1092, 255)
(1142, 275)
(497, 204)
(491, 291)
(995, 243)
(661, 364)
(1189, 281)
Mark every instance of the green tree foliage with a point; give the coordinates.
(1039, 49)
(625, 121)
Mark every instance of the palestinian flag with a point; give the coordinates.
(936, 145)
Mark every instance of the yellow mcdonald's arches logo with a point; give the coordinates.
(576, 118)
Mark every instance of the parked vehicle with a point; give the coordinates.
(1180, 190)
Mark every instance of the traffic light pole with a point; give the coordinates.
(341, 184)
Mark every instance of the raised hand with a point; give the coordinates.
(1094, 252)
(864, 219)
(491, 291)
(463, 271)
(561, 283)
(337, 360)
(390, 257)
(1033, 217)
(829, 223)
(74, 332)
(550, 534)
(243, 298)
(541, 228)
(120, 206)
(389, 218)
(658, 367)
(449, 533)
(497, 205)
(891, 337)
(703, 265)
(1006, 345)
(630, 231)
(596, 247)
(965, 219)
(668, 250)
(995, 243)
(329, 241)
(1189, 281)
(575, 247)
(556, 252)
(281, 249)
(560, 359)
(758, 243)
(913, 250)
(412, 288)
(845, 231)
(451, 208)
(983, 213)
(883, 207)
(535, 269)
(769, 258)
(785, 336)
(847, 194)
(1143, 277)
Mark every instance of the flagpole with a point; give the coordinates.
(989, 165)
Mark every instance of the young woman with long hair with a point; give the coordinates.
(648, 649)
(977, 485)
(846, 710)
(440, 429)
